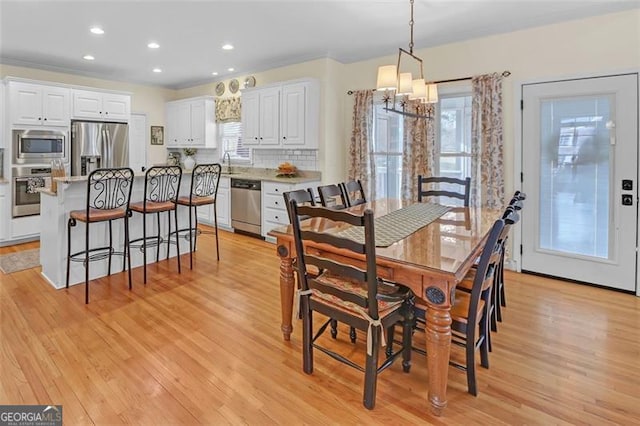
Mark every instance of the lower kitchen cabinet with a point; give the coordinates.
(223, 206)
(274, 210)
(4, 211)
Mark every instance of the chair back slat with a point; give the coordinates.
(353, 192)
(302, 197)
(464, 194)
(331, 196)
(366, 278)
(162, 183)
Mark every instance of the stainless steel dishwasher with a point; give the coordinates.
(246, 208)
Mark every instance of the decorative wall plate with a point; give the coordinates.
(220, 89)
(234, 86)
(249, 81)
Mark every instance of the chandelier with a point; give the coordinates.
(401, 87)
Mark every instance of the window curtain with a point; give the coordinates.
(487, 167)
(227, 110)
(361, 162)
(418, 150)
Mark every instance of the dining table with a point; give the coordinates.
(428, 256)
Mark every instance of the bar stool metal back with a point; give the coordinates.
(205, 179)
(161, 188)
(108, 197)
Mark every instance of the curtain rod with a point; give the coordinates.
(451, 80)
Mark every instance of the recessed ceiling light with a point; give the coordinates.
(227, 46)
(214, 73)
(153, 45)
(231, 69)
(157, 70)
(88, 57)
(97, 30)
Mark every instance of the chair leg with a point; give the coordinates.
(126, 243)
(110, 247)
(175, 216)
(407, 336)
(371, 370)
(168, 233)
(158, 238)
(215, 224)
(71, 222)
(307, 336)
(127, 247)
(86, 264)
(391, 331)
(334, 328)
(195, 228)
(144, 247)
(190, 240)
(471, 364)
(352, 334)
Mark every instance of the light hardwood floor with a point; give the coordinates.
(205, 347)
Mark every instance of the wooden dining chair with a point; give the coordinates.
(354, 296)
(434, 186)
(353, 192)
(331, 196)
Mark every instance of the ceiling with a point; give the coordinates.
(54, 34)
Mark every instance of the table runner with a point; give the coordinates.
(399, 224)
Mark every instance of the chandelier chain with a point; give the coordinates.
(411, 28)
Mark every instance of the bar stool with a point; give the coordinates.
(108, 197)
(161, 187)
(204, 190)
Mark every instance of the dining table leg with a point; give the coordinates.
(438, 342)
(287, 283)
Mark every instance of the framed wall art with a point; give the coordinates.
(157, 135)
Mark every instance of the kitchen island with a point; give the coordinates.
(72, 195)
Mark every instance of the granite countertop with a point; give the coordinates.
(46, 191)
(236, 172)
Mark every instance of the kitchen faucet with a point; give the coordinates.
(228, 157)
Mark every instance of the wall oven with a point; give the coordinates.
(25, 181)
(39, 146)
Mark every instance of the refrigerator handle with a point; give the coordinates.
(107, 148)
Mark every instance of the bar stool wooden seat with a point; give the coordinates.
(204, 191)
(161, 188)
(108, 197)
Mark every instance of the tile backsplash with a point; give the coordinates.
(303, 159)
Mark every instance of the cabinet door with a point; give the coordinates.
(138, 142)
(55, 106)
(269, 116)
(184, 123)
(198, 125)
(87, 104)
(116, 107)
(223, 208)
(205, 213)
(293, 114)
(26, 103)
(172, 125)
(250, 118)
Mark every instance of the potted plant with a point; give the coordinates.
(189, 161)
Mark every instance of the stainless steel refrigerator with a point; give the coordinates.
(98, 145)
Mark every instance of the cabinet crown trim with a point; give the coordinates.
(309, 80)
(10, 79)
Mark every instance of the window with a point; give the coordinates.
(388, 131)
(453, 144)
(230, 137)
(453, 148)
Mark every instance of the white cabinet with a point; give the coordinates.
(282, 115)
(4, 210)
(190, 123)
(101, 105)
(223, 207)
(274, 210)
(38, 105)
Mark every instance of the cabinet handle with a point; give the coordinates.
(277, 217)
(39, 118)
(100, 112)
(276, 203)
(45, 119)
(260, 137)
(256, 138)
(284, 137)
(107, 112)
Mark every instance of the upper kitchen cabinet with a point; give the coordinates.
(190, 123)
(282, 115)
(38, 105)
(101, 106)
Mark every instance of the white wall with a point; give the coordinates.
(144, 99)
(603, 44)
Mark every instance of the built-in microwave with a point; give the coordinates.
(39, 146)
